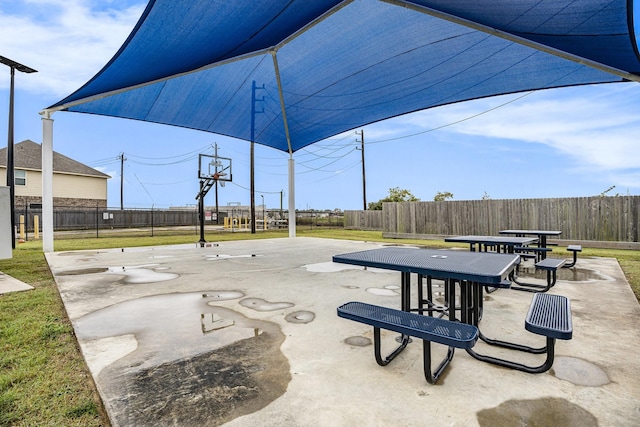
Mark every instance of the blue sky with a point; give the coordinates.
(570, 142)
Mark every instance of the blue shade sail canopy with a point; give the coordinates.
(304, 70)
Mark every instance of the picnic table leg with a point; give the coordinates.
(431, 306)
(405, 291)
(430, 376)
(510, 345)
(421, 296)
(464, 303)
(471, 302)
(405, 305)
(549, 349)
(478, 304)
(383, 361)
(450, 290)
(552, 277)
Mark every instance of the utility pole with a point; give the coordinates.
(252, 161)
(122, 159)
(364, 182)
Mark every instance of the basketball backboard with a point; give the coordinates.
(214, 167)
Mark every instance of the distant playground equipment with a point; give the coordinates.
(243, 222)
(22, 228)
(231, 222)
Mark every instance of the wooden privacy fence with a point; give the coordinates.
(613, 218)
(363, 220)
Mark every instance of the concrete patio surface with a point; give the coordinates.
(245, 333)
(10, 284)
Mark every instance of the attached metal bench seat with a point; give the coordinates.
(429, 329)
(531, 252)
(575, 249)
(550, 316)
(551, 265)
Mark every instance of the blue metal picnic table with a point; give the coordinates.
(503, 244)
(541, 234)
(465, 267)
(473, 271)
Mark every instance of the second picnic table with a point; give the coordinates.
(503, 244)
(540, 234)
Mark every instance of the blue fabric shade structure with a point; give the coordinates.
(322, 67)
(325, 66)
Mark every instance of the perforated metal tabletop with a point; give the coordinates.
(487, 268)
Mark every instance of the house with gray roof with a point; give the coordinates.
(75, 185)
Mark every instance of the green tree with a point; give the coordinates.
(442, 196)
(395, 195)
(604, 193)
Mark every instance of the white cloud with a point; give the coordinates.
(596, 125)
(67, 41)
(111, 172)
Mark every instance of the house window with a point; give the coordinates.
(20, 177)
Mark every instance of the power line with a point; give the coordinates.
(172, 183)
(144, 188)
(319, 169)
(196, 151)
(257, 191)
(340, 172)
(473, 116)
(188, 159)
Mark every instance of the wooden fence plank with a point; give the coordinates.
(614, 218)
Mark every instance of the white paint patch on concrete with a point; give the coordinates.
(383, 292)
(142, 274)
(226, 256)
(579, 372)
(334, 267)
(102, 352)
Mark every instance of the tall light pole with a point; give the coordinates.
(10, 169)
(122, 159)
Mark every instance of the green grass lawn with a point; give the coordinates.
(44, 380)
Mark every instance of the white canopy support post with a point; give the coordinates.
(292, 197)
(47, 182)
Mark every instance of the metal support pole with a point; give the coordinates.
(252, 160)
(292, 202)
(11, 182)
(202, 241)
(217, 210)
(10, 167)
(253, 186)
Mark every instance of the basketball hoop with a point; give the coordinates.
(214, 169)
